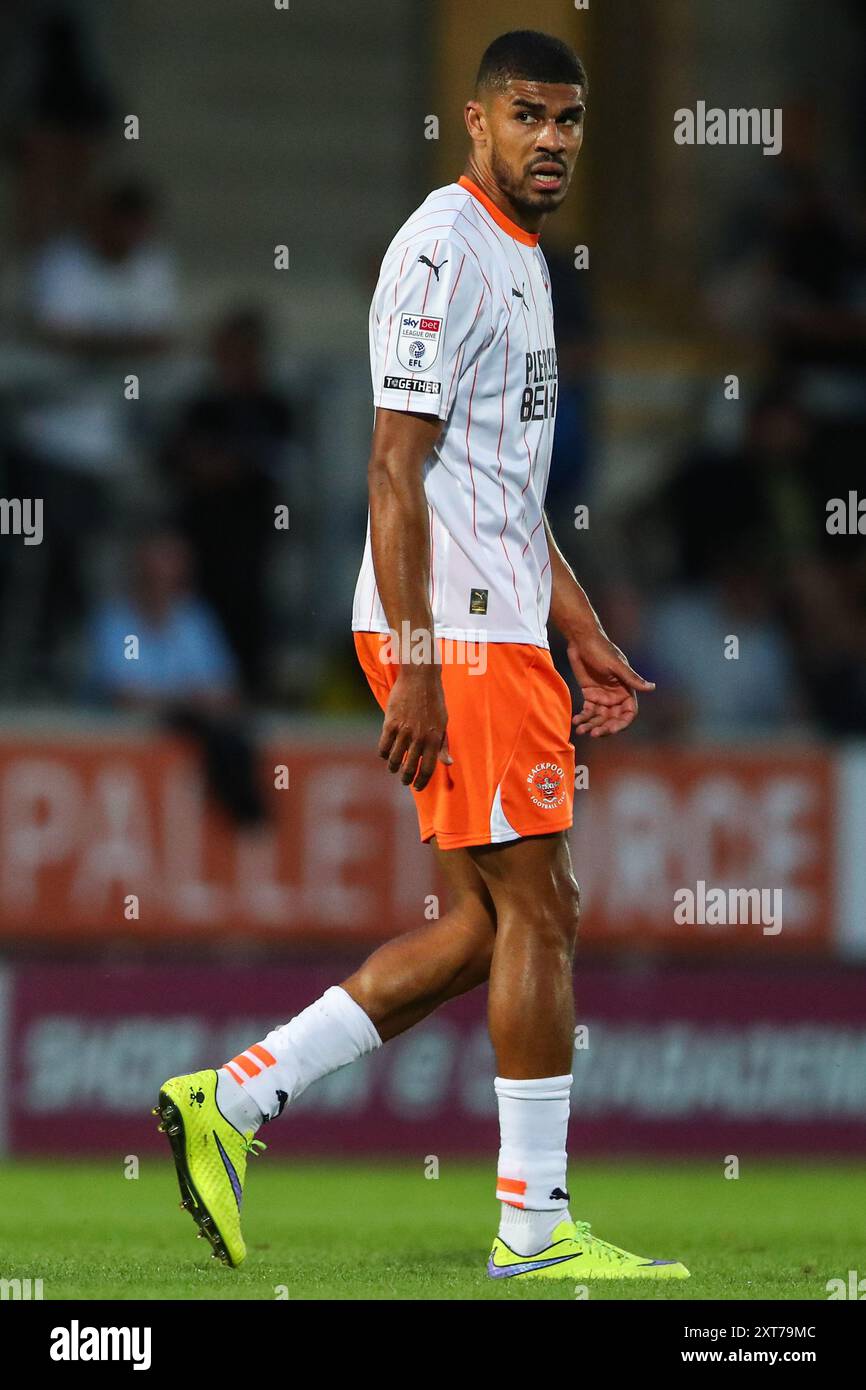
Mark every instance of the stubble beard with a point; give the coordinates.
(505, 180)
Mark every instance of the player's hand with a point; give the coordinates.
(414, 732)
(608, 683)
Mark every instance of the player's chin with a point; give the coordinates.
(542, 199)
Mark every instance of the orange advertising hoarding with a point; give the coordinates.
(709, 848)
(114, 837)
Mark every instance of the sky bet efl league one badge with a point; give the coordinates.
(418, 341)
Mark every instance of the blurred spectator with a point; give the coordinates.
(627, 615)
(763, 496)
(576, 355)
(794, 267)
(109, 288)
(182, 654)
(224, 459)
(182, 671)
(755, 692)
(818, 310)
(56, 110)
(827, 602)
(801, 596)
(99, 300)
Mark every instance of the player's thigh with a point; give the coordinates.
(532, 875)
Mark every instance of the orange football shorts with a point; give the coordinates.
(509, 727)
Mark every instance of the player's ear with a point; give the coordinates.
(476, 119)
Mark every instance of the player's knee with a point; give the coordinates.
(555, 913)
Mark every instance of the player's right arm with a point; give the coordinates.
(430, 317)
(413, 734)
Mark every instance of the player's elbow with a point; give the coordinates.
(380, 469)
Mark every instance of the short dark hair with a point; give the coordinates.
(530, 56)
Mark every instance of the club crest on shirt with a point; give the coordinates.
(546, 786)
(418, 341)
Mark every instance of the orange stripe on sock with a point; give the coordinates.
(227, 1066)
(246, 1065)
(511, 1185)
(263, 1055)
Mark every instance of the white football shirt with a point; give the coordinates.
(461, 327)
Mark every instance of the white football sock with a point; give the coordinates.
(238, 1108)
(256, 1084)
(530, 1184)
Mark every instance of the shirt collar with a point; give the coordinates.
(528, 238)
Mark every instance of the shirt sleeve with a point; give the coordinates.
(429, 320)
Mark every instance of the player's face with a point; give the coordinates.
(535, 132)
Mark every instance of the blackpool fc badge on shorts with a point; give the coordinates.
(418, 341)
(546, 785)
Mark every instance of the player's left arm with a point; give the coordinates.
(608, 682)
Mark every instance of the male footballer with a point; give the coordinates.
(459, 579)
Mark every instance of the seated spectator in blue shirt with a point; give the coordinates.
(181, 653)
(179, 668)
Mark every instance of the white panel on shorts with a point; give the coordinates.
(500, 827)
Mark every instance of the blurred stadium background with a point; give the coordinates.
(166, 891)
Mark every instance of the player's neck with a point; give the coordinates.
(531, 222)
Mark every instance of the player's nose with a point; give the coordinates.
(550, 141)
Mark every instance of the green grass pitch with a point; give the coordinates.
(366, 1230)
